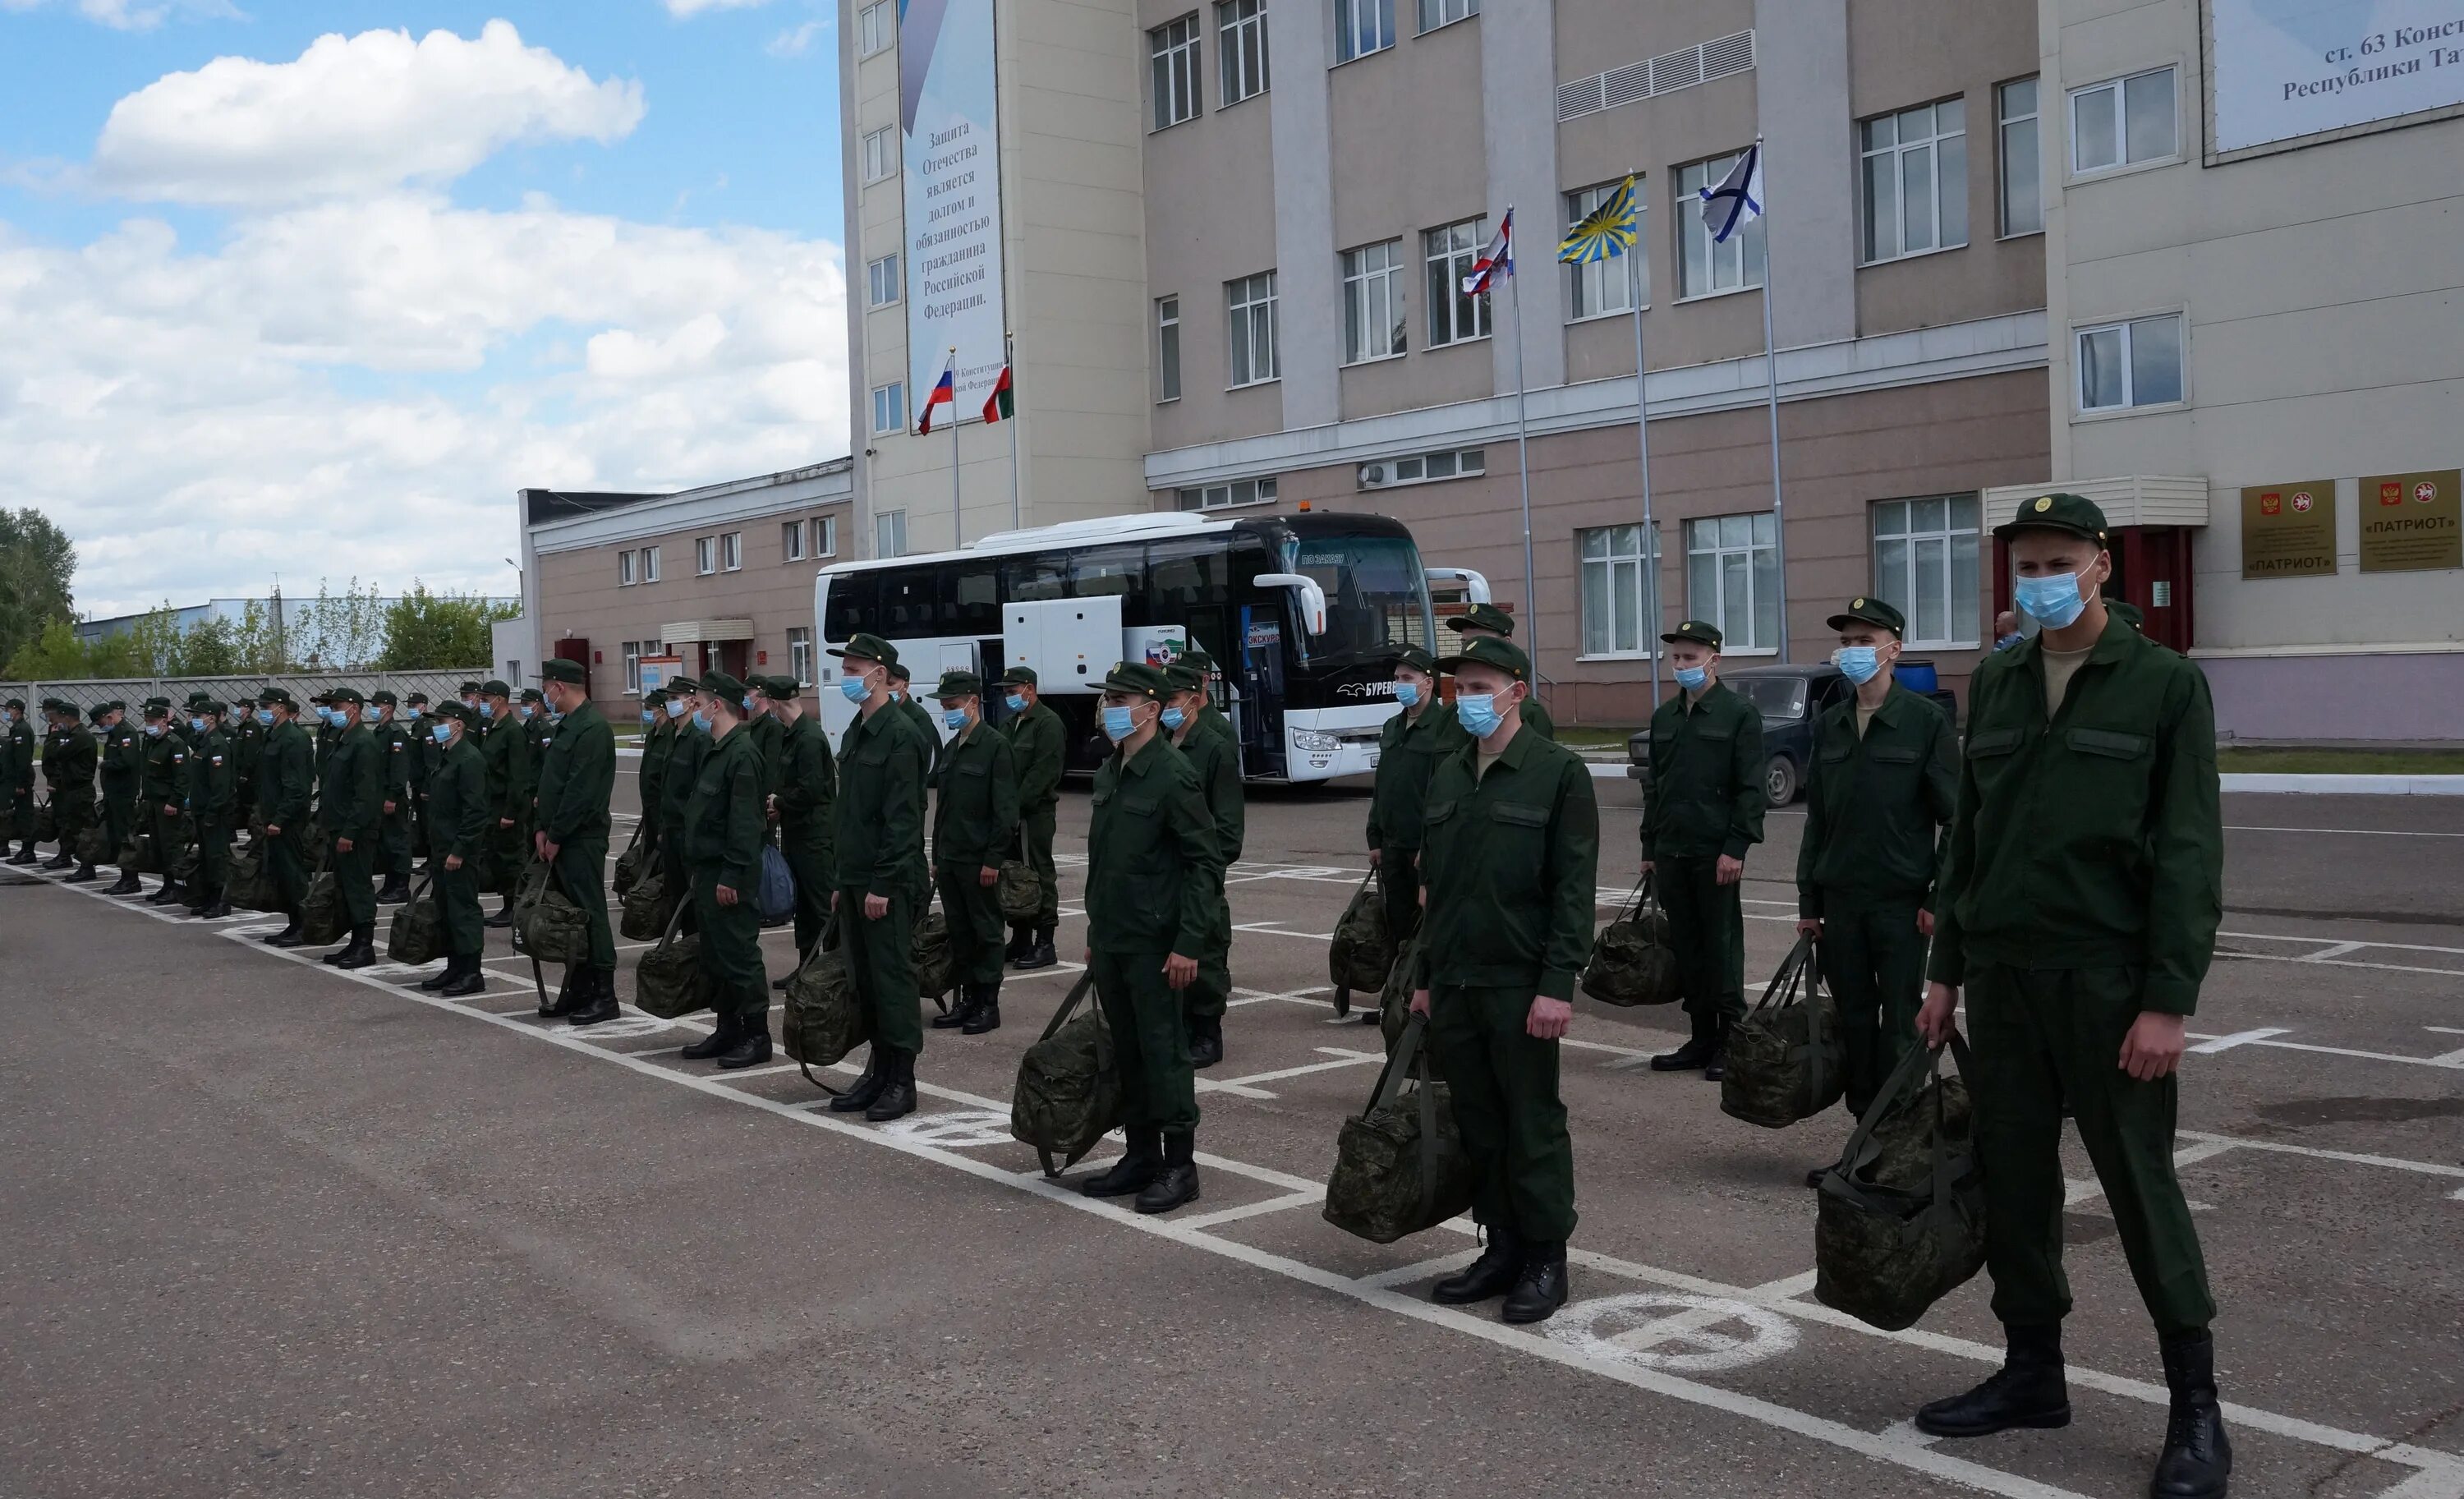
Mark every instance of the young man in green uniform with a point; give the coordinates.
(17, 781)
(1510, 866)
(213, 781)
(69, 758)
(1408, 748)
(349, 795)
(974, 820)
(506, 751)
(1878, 806)
(531, 708)
(396, 753)
(1487, 621)
(124, 770)
(417, 725)
(1702, 809)
(460, 827)
(1215, 757)
(881, 873)
(576, 784)
(2079, 905)
(286, 780)
(805, 804)
(162, 790)
(658, 744)
(1153, 867)
(1035, 740)
(692, 742)
(723, 831)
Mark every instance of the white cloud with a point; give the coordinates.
(793, 43)
(685, 10)
(351, 116)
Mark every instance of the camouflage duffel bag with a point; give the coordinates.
(251, 885)
(1395, 999)
(937, 967)
(1363, 951)
(646, 909)
(1785, 1061)
(631, 864)
(184, 866)
(1900, 1225)
(47, 823)
(1399, 1166)
(1019, 893)
(1633, 961)
(1069, 1092)
(324, 918)
(824, 1017)
(669, 982)
(551, 928)
(315, 844)
(416, 935)
(93, 845)
(136, 856)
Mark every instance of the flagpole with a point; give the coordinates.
(1523, 464)
(1770, 369)
(1009, 368)
(1643, 444)
(957, 518)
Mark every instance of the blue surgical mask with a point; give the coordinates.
(748, 702)
(1173, 718)
(154, 731)
(265, 717)
(649, 716)
(1692, 677)
(441, 732)
(1858, 663)
(1015, 703)
(701, 720)
(1119, 723)
(2054, 599)
(196, 725)
(486, 710)
(371, 715)
(955, 718)
(2006, 642)
(1407, 693)
(1478, 712)
(414, 714)
(851, 688)
(527, 710)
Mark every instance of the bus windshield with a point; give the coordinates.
(1377, 597)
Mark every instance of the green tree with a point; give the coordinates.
(55, 654)
(340, 631)
(118, 656)
(155, 647)
(440, 629)
(37, 562)
(211, 648)
(259, 644)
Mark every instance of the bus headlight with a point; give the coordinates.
(1315, 744)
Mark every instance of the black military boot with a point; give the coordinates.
(1133, 1171)
(1205, 1040)
(362, 951)
(473, 980)
(166, 892)
(897, 1096)
(504, 917)
(1177, 1182)
(565, 1001)
(1040, 955)
(1022, 942)
(2197, 1458)
(60, 860)
(25, 853)
(2028, 1390)
(962, 1004)
(751, 1045)
(85, 872)
(291, 936)
(1696, 1051)
(216, 909)
(984, 1014)
(1540, 1290)
(601, 1002)
(394, 891)
(868, 1086)
(1492, 1274)
(128, 884)
(721, 1037)
(1716, 1065)
(452, 971)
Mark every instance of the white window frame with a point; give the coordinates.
(890, 409)
(1447, 254)
(800, 654)
(633, 654)
(1889, 153)
(1249, 314)
(791, 540)
(1961, 530)
(1373, 303)
(1361, 28)
(1699, 259)
(625, 568)
(1588, 287)
(1625, 570)
(826, 537)
(650, 564)
(1435, 13)
(881, 154)
(2007, 123)
(890, 533)
(873, 28)
(1762, 539)
(1429, 467)
(2125, 334)
(1167, 315)
(882, 286)
(731, 552)
(1241, 50)
(2115, 105)
(1228, 495)
(705, 556)
(1172, 77)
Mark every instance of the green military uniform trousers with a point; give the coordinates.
(393, 837)
(119, 821)
(1873, 959)
(1503, 1086)
(512, 846)
(1399, 891)
(1706, 926)
(881, 960)
(972, 911)
(213, 855)
(457, 902)
(74, 814)
(675, 876)
(811, 867)
(730, 948)
(170, 834)
(1150, 1040)
(2038, 1037)
(1035, 828)
(1210, 997)
(354, 876)
(581, 873)
(284, 857)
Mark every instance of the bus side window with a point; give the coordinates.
(1033, 578)
(1121, 569)
(905, 608)
(1182, 576)
(848, 607)
(971, 604)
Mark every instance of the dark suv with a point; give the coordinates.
(1790, 698)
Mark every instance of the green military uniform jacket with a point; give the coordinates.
(1511, 866)
(1877, 807)
(350, 789)
(725, 817)
(507, 753)
(974, 818)
(658, 747)
(70, 756)
(2094, 839)
(577, 777)
(163, 774)
(213, 779)
(1706, 794)
(419, 758)
(1153, 859)
(808, 786)
(247, 739)
(919, 716)
(1217, 762)
(690, 747)
(883, 761)
(123, 760)
(1408, 752)
(459, 819)
(1035, 743)
(20, 761)
(286, 778)
(327, 735)
(769, 738)
(398, 756)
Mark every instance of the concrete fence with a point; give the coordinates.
(438, 685)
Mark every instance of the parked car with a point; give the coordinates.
(1788, 698)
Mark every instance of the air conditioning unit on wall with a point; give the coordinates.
(1376, 475)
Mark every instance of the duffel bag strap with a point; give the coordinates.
(1068, 1005)
(1783, 986)
(1919, 1062)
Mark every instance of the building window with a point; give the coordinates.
(1424, 468)
(1925, 564)
(705, 555)
(624, 569)
(889, 408)
(881, 281)
(826, 536)
(880, 154)
(1172, 51)
(1704, 266)
(1915, 180)
(1241, 47)
(800, 654)
(2023, 202)
(1435, 13)
(2123, 365)
(1373, 301)
(731, 551)
(1620, 590)
(1606, 286)
(1450, 251)
(872, 27)
(632, 667)
(2124, 121)
(1249, 304)
(650, 564)
(1732, 578)
(791, 540)
(1240, 492)
(1362, 27)
(1168, 348)
(889, 534)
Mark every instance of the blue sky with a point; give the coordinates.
(323, 306)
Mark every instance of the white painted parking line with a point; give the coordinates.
(2452, 1061)
(2090, 1189)
(1273, 1204)
(2356, 833)
(2239, 1038)
(2426, 1168)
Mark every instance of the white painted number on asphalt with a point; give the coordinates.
(957, 1130)
(1673, 1332)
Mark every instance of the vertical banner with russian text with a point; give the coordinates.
(950, 168)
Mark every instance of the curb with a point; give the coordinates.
(2346, 785)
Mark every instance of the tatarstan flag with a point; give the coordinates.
(997, 405)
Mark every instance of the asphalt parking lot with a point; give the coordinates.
(279, 1230)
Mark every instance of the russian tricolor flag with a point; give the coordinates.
(945, 393)
(1497, 260)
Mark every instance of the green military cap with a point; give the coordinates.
(212, 706)
(54, 705)
(493, 688)
(157, 708)
(1139, 679)
(959, 684)
(468, 687)
(782, 688)
(681, 685)
(718, 684)
(1197, 660)
(1484, 616)
(1871, 611)
(345, 694)
(96, 713)
(456, 710)
(417, 700)
(198, 699)
(561, 669)
(1488, 651)
(384, 697)
(1417, 659)
(321, 696)
(1020, 676)
(18, 703)
(278, 694)
(2076, 514)
(532, 694)
(654, 696)
(1183, 677)
(898, 672)
(2128, 613)
(1703, 633)
(862, 647)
